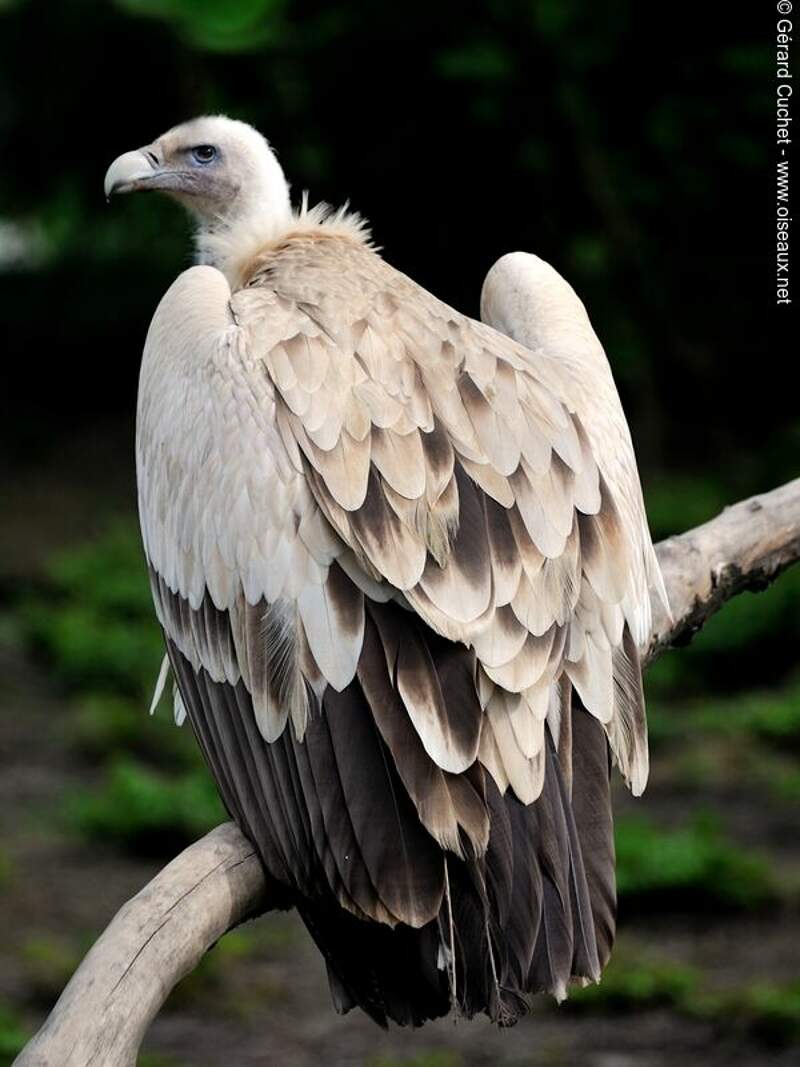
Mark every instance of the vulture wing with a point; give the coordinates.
(390, 523)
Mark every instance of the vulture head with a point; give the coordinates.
(221, 170)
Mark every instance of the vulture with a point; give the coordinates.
(403, 570)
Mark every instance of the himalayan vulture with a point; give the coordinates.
(403, 570)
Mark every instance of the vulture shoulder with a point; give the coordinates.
(525, 298)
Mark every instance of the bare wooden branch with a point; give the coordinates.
(744, 548)
(152, 942)
(161, 935)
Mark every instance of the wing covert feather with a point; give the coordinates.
(349, 440)
(453, 471)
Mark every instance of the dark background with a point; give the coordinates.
(632, 146)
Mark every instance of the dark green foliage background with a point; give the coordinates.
(636, 155)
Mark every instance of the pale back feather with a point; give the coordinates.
(343, 434)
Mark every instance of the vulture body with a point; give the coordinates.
(402, 566)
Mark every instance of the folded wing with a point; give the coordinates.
(390, 524)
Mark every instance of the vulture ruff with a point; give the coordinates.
(403, 570)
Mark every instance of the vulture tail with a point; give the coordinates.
(533, 914)
(409, 930)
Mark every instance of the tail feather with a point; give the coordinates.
(585, 963)
(591, 809)
(411, 931)
(535, 913)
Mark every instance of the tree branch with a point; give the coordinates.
(152, 942)
(161, 935)
(744, 548)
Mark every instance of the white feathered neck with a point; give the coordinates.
(233, 246)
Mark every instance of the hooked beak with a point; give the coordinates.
(135, 170)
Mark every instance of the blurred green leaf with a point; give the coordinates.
(771, 715)
(233, 26)
(771, 1011)
(679, 502)
(150, 1059)
(749, 58)
(480, 61)
(13, 1035)
(590, 255)
(49, 962)
(784, 785)
(108, 573)
(686, 869)
(637, 984)
(6, 868)
(147, 812)
(104, 726)
(95, 618)
(434, 1058)
(90, 647)
(553, 17)
(767, 1011)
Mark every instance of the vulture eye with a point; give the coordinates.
(204, 153)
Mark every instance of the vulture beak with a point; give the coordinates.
(133, 171)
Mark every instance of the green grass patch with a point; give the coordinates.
(90, 647)
(215, 982)
(687, 869)
(784, 785)
(145, 811)
(434, 1058)
(106, 726)
(768, 1012)
(94, 619)
(769, 715)
(95, 622)
(637, 985)
(48, 962)
(156, 1059)
(6, 868)
(14, 1035)
(277, 935)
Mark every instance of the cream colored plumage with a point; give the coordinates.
(299, 468)
(343, 482)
